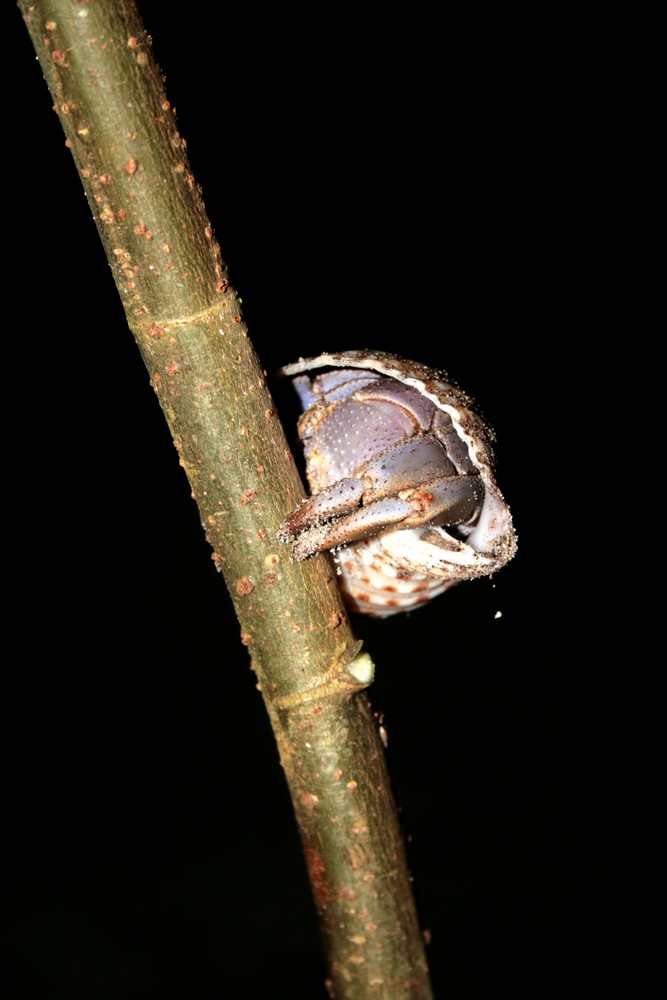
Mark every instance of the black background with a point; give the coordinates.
(464, 181)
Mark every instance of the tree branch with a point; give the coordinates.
(188, 324)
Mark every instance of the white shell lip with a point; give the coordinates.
(493, 541)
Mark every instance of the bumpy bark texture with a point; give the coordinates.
(187, 322)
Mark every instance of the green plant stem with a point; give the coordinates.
(187, 321)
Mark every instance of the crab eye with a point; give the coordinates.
(400, 470)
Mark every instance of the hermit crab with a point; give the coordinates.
(400, 468)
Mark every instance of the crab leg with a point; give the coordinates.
(446, 500)
(397, 468)
(335, 501)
